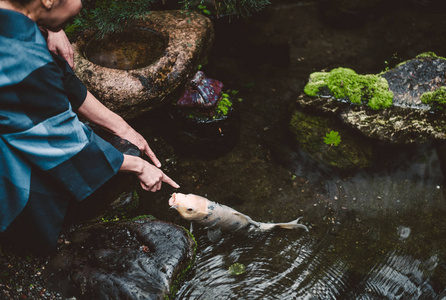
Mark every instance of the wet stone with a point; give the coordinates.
(409, 80)
(408, 120)
(138, 259)
(130, 82)
(201, 92)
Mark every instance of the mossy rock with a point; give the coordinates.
(436, 99)
(414, 114)
(310, 131)
(138, 259)
(413, 78)
(345, 84)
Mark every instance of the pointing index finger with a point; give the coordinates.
(168, 180)
(152, 156)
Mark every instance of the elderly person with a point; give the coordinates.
(48, 157)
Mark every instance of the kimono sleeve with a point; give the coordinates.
(68, 151)
(76, 90)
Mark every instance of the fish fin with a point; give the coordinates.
(248, 218)
(214, 235)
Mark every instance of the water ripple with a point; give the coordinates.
(401, 277)
(381, 237)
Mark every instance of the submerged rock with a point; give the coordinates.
(407, 120)
(139, 259)
(309, 131)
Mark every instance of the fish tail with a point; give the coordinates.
(293, 225)
(290, 225)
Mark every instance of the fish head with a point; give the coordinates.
(191, 207)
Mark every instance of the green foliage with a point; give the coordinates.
(237, 269)
(240, 8)
(436, 99)
(224, 105)
(333, 138)
(111, 16)
(204, 10)
(344, 83)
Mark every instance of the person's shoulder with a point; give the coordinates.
(18, 59)
(23, 49)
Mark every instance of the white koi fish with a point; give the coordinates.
(217, 217)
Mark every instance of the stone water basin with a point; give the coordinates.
(128, 50)
(145, 65)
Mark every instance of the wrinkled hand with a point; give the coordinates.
(58, 43)
(137, 139)
(151, 178)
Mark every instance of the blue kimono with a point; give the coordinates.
(48, 157)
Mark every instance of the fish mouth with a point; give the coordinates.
(172, 201)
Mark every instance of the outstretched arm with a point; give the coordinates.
(95, 112)
(150, 177)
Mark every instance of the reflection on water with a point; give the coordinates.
(379, 235)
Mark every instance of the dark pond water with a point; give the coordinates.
(376, 233)
(130, 49)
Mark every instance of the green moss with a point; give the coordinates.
(437, 98)
(344, 83)
(135, 196)
(150, 217)
(220, 111)
(224, 105)
(429, 54)
(180, 278)
(316, 82)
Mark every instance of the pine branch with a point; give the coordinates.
(109, 16)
